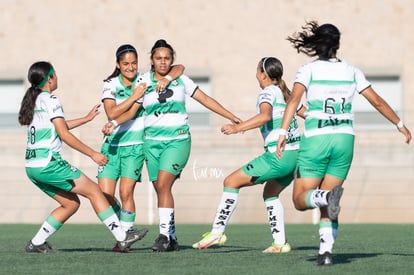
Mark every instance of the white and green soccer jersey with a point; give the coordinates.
(330, 88)
(165, 116)
(270, 131)
(42, 138)
(131, 132)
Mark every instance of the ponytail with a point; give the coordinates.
(273, 68)
(38, 74)
(285, 90)
(27, 106)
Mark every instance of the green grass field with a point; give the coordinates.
(86, 249)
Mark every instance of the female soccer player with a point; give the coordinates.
(47, 127)
(124, 146)
(326, 150)
(266, 169)
(167, 134)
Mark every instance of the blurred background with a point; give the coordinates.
(220, 44)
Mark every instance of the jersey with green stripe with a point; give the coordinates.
(165, 116)
(42, 138)
(270, 131)
(132, 131)
(331, 86)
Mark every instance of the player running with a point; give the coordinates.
(276, 174)
(327, 147)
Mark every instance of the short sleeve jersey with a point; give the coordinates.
(270, 131)
(132, 131)
(42, 138)
(165, 116)
(330, 89)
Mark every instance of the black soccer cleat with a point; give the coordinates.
(131, 237)
(165, 244)
(334, 197)
(324, 259)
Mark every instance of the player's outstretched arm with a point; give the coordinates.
(67, 137)
(213, 105)
(73, 123)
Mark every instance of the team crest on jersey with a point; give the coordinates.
(163, 95)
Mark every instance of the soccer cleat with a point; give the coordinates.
(165, 244)
(131, 237)
(324, 259)
(161, 243)
(278, 248)
(43, 248)
(333, 202)
(173, 246)
(116, 248)
(210, 239)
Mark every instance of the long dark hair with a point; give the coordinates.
(123, 49)
(274, 70)
(315, 40)
(161, 43)
(37, 74)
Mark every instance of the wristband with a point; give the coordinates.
(282, 132)
(400, 124)
(114, 122)
(168, 77)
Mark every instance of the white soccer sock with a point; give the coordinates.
(167, 224)
(127, 219)
(275, 213)
(226, 208)
(316, 198)
(172, 227)
(110, 219)
(327, 234)
(48, 228)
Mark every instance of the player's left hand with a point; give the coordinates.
(93, 112)
(108, 128)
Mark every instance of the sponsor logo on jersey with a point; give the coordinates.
(57, 107)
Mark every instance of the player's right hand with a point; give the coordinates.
(99, 158)
(280, 146)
